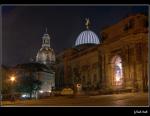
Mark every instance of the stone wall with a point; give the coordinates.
(93, 66)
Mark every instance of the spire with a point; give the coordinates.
(46, 39)
(87, 23)
(46, 30)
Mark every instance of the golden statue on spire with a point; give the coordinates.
(87, 23)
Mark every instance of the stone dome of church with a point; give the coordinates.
(46, 54)
(87, 37)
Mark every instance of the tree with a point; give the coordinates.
(29, 84)
(76, 75)
(5, 86)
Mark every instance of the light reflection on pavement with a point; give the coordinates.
(127, 99)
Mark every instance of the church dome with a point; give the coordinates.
(46, 54)
(87, 36)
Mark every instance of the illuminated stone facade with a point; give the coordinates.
(119, 62)
(46, 56)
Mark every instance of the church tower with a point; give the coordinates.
(46, 54)
(46, 40)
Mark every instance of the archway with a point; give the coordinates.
(117, 74)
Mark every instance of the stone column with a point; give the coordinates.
(131, 66)
(103, 72)
(125, 66)
(99, 76)
(134, 78)
(108, 78)
(145, 66)
(139, 68)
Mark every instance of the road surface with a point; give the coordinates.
(126, 99)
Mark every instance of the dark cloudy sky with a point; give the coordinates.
(24, 26)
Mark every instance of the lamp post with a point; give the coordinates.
(12, 80)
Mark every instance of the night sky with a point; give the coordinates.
(24, 26)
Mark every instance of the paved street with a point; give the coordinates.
(127, 99)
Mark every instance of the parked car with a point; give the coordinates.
(67, 91)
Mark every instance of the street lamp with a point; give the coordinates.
(12, 79)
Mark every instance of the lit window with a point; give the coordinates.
(118, 71)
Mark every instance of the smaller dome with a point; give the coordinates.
(87, 37)
(45, 55)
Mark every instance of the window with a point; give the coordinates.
(129, 25)
(117, 71)
(104, 36)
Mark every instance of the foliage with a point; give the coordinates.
(76, 75)
(28, 84)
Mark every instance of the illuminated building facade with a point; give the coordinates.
(42, 69)
(115, 59)
(46, 56)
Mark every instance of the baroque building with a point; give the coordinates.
(46, 56)
(115, 59)
(41, 69)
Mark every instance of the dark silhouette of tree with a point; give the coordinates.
(76, 75)
(29, 82)
(6, 86)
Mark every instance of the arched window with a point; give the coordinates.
(117, 71)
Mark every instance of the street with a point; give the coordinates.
(126, 99)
